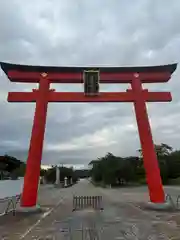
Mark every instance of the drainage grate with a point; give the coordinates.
(83, 202)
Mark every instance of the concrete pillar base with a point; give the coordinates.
(34, 209)
(160, 206)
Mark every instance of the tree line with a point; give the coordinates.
(50, 174)
(114, 170)
(14, 168)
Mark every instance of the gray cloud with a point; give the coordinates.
(120, 33)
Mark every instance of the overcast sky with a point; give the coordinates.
(88, 32)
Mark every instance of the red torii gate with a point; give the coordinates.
(45, 75)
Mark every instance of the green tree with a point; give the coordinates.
(173, 164)
(111, 169)
(163, 151)
(50, 174)
(19, 172)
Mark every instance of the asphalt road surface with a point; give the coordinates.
(122, 218)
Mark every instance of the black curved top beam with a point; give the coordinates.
(52, 69)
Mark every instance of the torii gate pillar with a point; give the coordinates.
(31, 179)
(151, 166)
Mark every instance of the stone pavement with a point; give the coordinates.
(120, 219)
(13, 227)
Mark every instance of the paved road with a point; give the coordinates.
(140, 194)
(120, 219)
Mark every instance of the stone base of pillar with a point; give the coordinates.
(34, 209)
(160, 206)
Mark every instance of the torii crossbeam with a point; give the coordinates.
(45, 75)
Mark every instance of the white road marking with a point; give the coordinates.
(38, 221)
